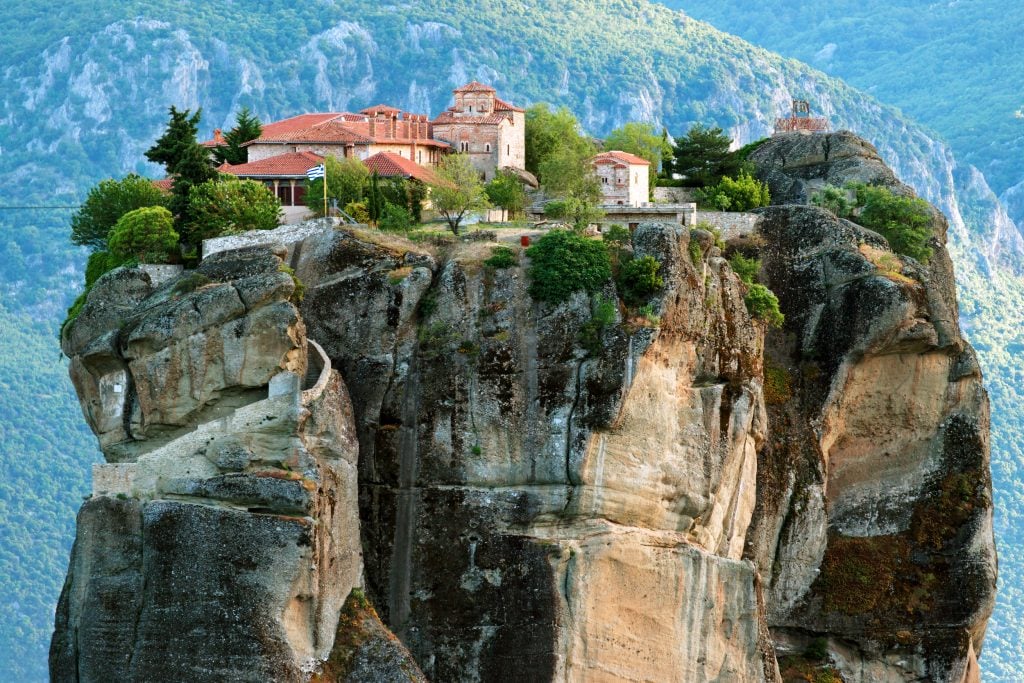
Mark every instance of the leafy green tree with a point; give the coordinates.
(146, 235)
(563, 262)
(703, 158)
(231, 206)
(100, 263)
(458, 190)
(247, 128)
(348, 180)
(739, 194)
(568, 174)
(548, 130)
(906, 222)
(107, 202)
(187, 163)
(506, 191)
(643, 140)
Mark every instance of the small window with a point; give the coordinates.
(471, 109)
(508, 150)
(604, 179)
(487, 147)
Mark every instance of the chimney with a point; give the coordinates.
(373, 126)
(218, 136)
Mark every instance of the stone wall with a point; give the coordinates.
(732, 224)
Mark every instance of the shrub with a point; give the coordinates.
(229, 207)
(107, 202)
(563, 262)
(395, 219)
(817, 649)
(739, 194)
(639, 279)
(617, 236)
(746, 268)
(764, 305)
(905, 222)
(502, 257)
(100, 263)
(592, 331)
(358, 212)
(300, 288)
(696, 253)
(555, 209)
(833, 199)
(145, 234)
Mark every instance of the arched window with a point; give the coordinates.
(487, 147)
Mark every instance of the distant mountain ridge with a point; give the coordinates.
(83, 100)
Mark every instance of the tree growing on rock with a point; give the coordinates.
(107, 202)
(146, 235)
(458, 190)
(231, 206)
(187, 163)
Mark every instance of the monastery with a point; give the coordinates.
(388, 140)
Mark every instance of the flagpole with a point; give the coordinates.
(325, 186)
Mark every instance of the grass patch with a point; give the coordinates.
(398, 275)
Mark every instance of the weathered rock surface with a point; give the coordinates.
(688, 500)
(873, 527)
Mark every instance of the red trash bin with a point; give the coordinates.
(524, 240)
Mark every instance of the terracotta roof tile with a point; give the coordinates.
(502, 105)
(164, 184)
(475, 86)
(294, 164)
(388, 165)
(615, 155)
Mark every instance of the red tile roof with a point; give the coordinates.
(380, 109)
(502, 105)
(283, 127)
(348, 131)
(388, 165)
(164, 184)
(290, 165)
(617, 156)
(475, 86)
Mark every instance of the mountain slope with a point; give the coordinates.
(83, 99)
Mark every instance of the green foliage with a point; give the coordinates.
(406, 193)
(563, 262)
(395, 218)
(696, 253)
(300, 287)
(904, 221)
(146, 235)
(107, 202)
(100, 263)
(247, 127)
(592, 331)
(348, 180)
(374, 199)
(230, 206)
(764, 305)
(358, 212)
(186, 161)
(834, 199)
(744, 152)
(549, 130)
(435, 339)
(506, 192)
(703, 158)
(746, 268)
(502, 257)
(617, 236)
(740, 194)
(817, 649)
(638, 280)
(778, 384)
(458, 191)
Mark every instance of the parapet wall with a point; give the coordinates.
(732, 224)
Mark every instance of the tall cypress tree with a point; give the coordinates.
(187, 163)
(375, 202)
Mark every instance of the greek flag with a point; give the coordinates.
(315, 172)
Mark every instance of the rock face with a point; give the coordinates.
(523, 491)
(873, 527)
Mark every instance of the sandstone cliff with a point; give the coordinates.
(689, 500)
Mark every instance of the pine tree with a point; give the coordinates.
(186, 161)
(247, 128)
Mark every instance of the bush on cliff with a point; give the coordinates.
(146, 235)
(229, 207)
(638, 280)
(764, 305)
(905, 222)
(107, 202)
(563, 262)
(736, 194)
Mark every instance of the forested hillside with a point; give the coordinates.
(84, 97)
(953, 66)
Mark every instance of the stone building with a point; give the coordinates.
(485, 127)
(624, 178)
